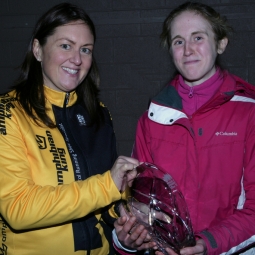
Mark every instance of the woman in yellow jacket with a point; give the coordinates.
(57, 144)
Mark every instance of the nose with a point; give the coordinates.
(188, 50)
(76, 58)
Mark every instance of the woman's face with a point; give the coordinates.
(66, 57)
(193, 47)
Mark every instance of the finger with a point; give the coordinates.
(131, 175)
(137, 237)
(138, 232)
(147, 246)
(170, 252)
(120, 221)
(123, 212)
(140, 235)
(129, 224)
(198, 249)
(159, 253)
(148, 238)
(126, 228)
(120, 169)
(126, 164)
(130, 160)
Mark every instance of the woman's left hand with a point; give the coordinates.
(198, 249)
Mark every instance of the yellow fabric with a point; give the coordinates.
(31, 201)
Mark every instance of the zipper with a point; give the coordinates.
(67, 99)
(65, 122)
(191, 92)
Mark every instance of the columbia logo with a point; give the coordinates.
(226, 134)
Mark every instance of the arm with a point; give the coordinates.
(25, 204)
(237, 231)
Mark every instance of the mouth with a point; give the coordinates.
(69, 70)
(191, 62)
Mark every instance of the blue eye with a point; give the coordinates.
(65, 46)
(86, 51)
(178, 42)
(198, 38)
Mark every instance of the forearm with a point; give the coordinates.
(33, 206)
(234, 233)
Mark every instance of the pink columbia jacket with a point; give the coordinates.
(211, 156)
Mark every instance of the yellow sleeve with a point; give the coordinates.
(25, 204)
(124, 197)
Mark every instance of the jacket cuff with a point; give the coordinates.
(118, 247)
(209, 239)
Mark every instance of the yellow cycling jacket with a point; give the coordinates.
(54, 182)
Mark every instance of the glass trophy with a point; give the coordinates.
(159, 205)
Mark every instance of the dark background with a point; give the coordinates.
(133, 67)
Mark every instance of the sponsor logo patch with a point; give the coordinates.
(41, 141)
(5, 112)
(4, 248)
(81, 120)
(59, 157)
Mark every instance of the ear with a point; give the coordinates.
(37, 50)
(222, 44)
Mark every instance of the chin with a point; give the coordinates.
(70, 88)
(193, 80)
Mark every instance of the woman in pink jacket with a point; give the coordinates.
(201, 130)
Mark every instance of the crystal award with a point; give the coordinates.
(159, 205)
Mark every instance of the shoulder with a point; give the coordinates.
(8, 102)
(10, 95)
(242, 86)
(11, 113)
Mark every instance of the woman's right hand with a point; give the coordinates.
(130, 233)
(123, 171)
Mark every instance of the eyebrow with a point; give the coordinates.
(194, 33)
(71, 41)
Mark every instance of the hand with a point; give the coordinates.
(131, 234)
(198, 249)
(124, 171)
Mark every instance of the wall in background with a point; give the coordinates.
(132, 64)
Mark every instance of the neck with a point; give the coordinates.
(200, 81)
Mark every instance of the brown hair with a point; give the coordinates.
(29, 86)
(219, 24)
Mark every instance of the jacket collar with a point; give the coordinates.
(166, 108)
(58, 98)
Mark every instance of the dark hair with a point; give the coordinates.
(29, 86)
(219, 24)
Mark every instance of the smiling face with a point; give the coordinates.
(66, 57)
(193, 47)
